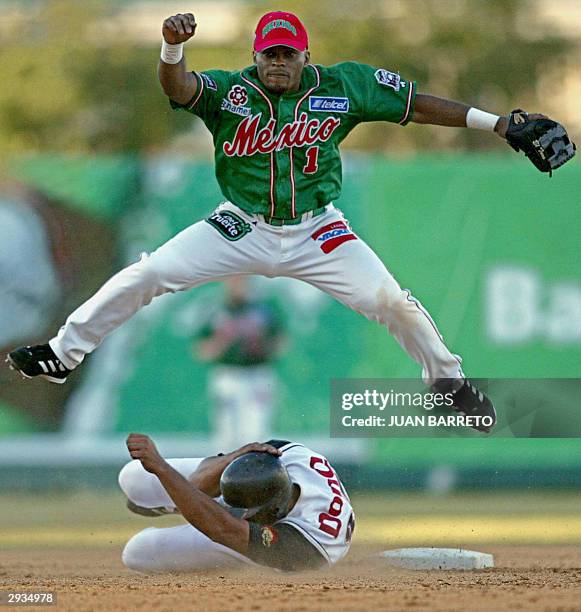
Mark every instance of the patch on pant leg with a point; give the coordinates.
(330, 236)
(229, 224)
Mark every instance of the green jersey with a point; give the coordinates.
(252, 330)
(278, 155)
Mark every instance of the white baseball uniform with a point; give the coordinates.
(322, 515)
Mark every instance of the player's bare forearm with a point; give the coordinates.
(196, 507)
(439, 111)
(203, 512)
(177, 83)
(207, 476)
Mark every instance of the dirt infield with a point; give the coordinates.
(525, 578)
(71, 544)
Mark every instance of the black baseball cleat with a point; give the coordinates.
(38, 360)
(469, 401)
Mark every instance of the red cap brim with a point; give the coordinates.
(281, 42)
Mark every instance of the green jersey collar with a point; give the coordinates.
(310, 79)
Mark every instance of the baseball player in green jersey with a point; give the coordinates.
(277, 126)
(241, 339)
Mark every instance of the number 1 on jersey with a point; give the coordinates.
(312, 164)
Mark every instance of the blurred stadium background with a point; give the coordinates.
(95, 168)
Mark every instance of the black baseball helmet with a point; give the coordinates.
(259, 483)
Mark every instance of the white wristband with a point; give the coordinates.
(480, 120)
(171, 54)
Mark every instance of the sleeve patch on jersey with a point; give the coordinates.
(209, 81)
(332, 235)
(284, 547)
(389, 79)
(229, 224)
(268, 536)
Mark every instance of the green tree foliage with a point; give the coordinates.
(487, 53)
(69, 92)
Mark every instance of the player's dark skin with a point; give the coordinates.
(279, 70)
(193, 497)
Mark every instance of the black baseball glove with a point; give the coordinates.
(544, 141)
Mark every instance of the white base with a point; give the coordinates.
(438, 559)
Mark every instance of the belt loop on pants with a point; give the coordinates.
(296, 220)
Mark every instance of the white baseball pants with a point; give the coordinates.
(171, 549)
(351, 273)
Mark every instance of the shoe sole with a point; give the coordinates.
(13, 366)
(495, 419)
(486, 431)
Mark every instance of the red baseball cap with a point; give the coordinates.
(280, 28)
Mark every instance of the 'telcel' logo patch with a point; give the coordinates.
(329, 105)
(332, 235)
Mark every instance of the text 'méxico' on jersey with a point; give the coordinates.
(278, 155)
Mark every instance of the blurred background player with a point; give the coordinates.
(241, 339)
(278, 504)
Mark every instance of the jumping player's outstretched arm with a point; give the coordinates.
(177, 83)
(439, 111)
(544, 141)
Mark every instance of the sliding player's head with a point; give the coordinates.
(259, 484)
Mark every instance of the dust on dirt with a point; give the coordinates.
(525, 578)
